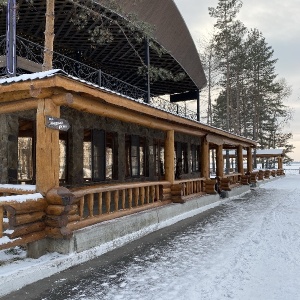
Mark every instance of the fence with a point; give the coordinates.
(34, 53)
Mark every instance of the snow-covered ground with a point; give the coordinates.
(249, 249)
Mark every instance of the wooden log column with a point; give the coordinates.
(220, 161)
(169, 157)
(47, 147)
(249, 160)
(280, 163)
(205, 162)
(240, 159)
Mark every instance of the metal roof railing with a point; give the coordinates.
(34, 53)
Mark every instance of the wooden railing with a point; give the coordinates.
(95, 204)
(234, 177)
(181, 189)
(21, 217)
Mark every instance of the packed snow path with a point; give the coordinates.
(247, 249)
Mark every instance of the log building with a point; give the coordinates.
(93, 136)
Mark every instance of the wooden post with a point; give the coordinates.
(107, 201)
(123, 195)
(249, 160)
(49, 35)
(240, 159)
(47, 148)
(100, 203)
(1, 220)
(280, 164)
(169, 157)
(220, 161)
(90, 202)
(205, 158)
(129, 198)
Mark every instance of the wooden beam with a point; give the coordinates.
(17, 106)
(93, 96)
(240, 160)
(220, 161)
(280, 162)
(169, 157)
(213, 139)
(89, 105)
(205, 162)
(249, 160)
(47, 148)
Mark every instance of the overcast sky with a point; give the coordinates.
(279, 22)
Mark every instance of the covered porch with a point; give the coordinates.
(114, 157)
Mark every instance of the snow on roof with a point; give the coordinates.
(269, 152)
(38, 75)
(21, 198)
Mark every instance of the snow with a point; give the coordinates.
(21, 198)
(19, 187)
(248, 250)
(32, 76)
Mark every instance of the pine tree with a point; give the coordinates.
(225, 13)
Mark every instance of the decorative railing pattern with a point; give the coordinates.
(34, 53)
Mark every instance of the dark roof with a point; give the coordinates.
(118, 57)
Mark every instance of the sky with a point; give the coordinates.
(279, 23)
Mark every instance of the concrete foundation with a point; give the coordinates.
(132, 226)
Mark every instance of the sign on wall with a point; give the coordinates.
(57, 123)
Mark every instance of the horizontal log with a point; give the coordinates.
(74, 210)
(177, 193)
(17, 220)
(58, 210)
(176, 187)
(166, 196)
(61, 196)
(30, 206)
(73, 218)
(26, 229)
(166, 190)
(177, 200)
(58, 233)
(82, 191)
(25, 239)
(225, 180)
(56, 221)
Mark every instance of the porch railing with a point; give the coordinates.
(32, 54)
(99, 203)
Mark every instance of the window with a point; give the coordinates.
(25, 161)
(195, 158)
(63, 147)
(159, 158)
(26, 153)
(181, 159)
(136, 158)
(99, 155)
